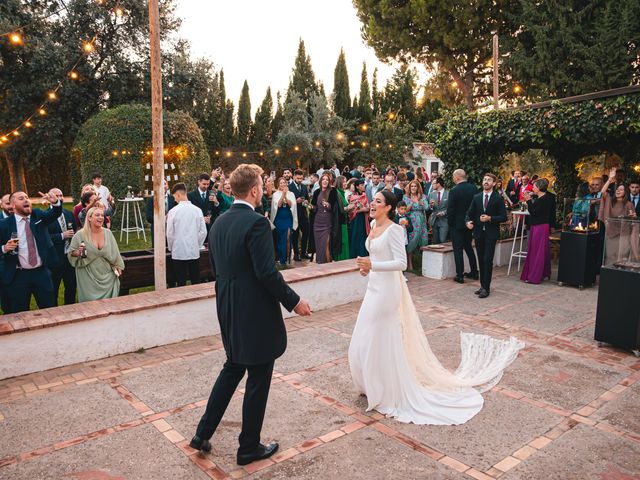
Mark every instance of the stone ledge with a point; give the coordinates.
(66, 314)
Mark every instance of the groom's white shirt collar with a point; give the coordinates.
(242, 202)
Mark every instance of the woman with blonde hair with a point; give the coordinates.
(284, 215)
(417, 205)
(95, 255)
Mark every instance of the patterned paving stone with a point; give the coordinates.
(465, 301)
(503, 426)
(539, 312)
(177, 383)
(291, 418)
(514, 285)
(370, 456)
(43, 420)
(582, 453)
(624, 411)
(141, 453)
(303, 352)
(585, 333)
(336, 383)
(566, 381)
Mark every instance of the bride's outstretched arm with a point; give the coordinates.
(395, 242)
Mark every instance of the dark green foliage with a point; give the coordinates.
(244, 117)
(128, 128)
(365, 112)
(341, 95)
(261, 132)
(303, 80)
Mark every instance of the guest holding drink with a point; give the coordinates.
(537, 265)
(61, 233)
(438, 200)
(225, 197)
(616, 205)
(340, 187)
(94, 254)
(284, 215)
(417, 206)
(359, 219)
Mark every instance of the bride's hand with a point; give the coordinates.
(364, 264)
(364, 273)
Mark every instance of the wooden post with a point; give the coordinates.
(159, 256)
(496, 85)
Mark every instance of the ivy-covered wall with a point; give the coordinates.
(477, 142)
(117, 144)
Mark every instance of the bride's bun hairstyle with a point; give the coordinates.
(391, 200)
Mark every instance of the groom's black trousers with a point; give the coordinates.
(253, 406)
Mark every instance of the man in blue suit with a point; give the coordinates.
(25, 260)
(61, 233)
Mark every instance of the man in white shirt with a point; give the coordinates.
(186, 232)
(101, 190)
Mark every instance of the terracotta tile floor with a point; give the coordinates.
(566, 409)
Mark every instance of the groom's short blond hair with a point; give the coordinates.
(244, 178)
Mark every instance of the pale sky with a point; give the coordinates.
(257, 40)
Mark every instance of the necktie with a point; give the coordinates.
(204, 195)
(635, 201)
(486, 201)
(31, 244)
(438, 198)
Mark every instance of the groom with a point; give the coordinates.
(249, 291)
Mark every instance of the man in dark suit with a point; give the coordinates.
(7, 209)
(205, 199)
(26, 272)
(300, 237)
(460, 198)
(389, 184)
(61, 232)
(634, 195)
(249, 291)
(486, 213)
(513, 187)
(169, 203)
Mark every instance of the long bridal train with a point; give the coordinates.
(390, 358)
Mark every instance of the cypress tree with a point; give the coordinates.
(244, 116)
(375, 93)
(278, 119)
(341, 95)
(303, 80)
(364, 102)
(227, 127)
(261, 133)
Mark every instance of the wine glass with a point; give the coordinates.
(14, 236)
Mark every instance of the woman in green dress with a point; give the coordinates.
(225, 197)
(97, 273)
(344, 253)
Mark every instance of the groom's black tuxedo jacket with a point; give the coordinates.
(249, 288)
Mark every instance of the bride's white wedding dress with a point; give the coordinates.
(390, 358)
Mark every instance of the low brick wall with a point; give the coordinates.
(44, 339)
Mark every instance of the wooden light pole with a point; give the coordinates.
(496, 85)
(159, 257)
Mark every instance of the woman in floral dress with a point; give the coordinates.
(416, 207)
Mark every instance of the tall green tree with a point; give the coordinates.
(400, 94)
(341, 95)
(244, 117)
(228, 130)
(571, 47)
(303, 80)
(458, 39)
(278, 118)
(365, 112)
(261, 132)
(375, 93)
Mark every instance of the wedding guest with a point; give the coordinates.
(103, 192)
(390, 185)
(314, 178)
(401, 185)
(284, 216)
(422, 178)
(169, 203)
(325, 221)
(484, 217)
(375, 186)
(89, 200)
(460, 198)
(79, 206)
(634, 195)
(513, 187)
(537, 265)
(61, 233)
(340, 187)
(27, 253)
(225, 197)
(404, 221)
(7, 209)
(616, 179)
(350, 188)
(300, 236)
(438, 200)
(94, 254)
(359, 220)
(267, 197)
(206, 200)
(287, 175)
(616, 205)
(503, 193)
(186, 232)
(525, 186)
(417, 206)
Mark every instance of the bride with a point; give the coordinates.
(389, 355)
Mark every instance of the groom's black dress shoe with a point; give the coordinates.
(483, 294)
(459, 279)
(472, 275)
(478, 292)
(198, 443)
(263, 451)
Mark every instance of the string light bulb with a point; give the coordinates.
(296, 148)
(16, 38)
(42, 112)
(364, 127)
(392, 115)
(228, 154)
(244, 155)
(16, 133)
(217, 152)
(364, 144)
(517, 89)
(74, 75)
(28, 124)
(277, 151)
(114, 153)
(52, 96)
(340, 136)
(4, 138)
(87, 47)
(454, 84)
(317, 143)
(261, 154)
(119, 12)
(353, 143)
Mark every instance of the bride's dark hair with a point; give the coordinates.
(391, 200)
